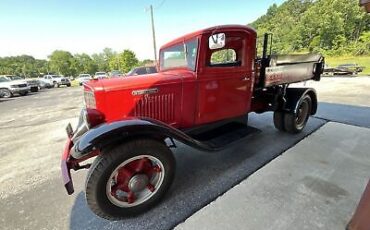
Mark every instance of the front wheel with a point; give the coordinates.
(129, 179)
(5, 93)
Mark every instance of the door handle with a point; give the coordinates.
(246, 78)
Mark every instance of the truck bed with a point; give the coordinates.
(286, 69)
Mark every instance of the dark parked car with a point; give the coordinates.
(34, 84)
(142, 70)
(116, 73)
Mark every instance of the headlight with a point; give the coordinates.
(82, 126)
(89, 118)
(89, 99)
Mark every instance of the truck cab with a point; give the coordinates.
(206, 80)
(196, 84)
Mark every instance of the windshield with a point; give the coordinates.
(15, 78)
(3, 79)
(180, 55)
(55, 76)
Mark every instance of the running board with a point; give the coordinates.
(225, 135)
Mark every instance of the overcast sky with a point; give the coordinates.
(38, 27)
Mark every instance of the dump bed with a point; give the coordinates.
(285, 69)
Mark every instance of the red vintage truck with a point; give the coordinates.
(206, 80)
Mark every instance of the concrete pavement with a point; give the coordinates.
(314, 185)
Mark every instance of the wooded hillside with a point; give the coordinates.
(333, 27)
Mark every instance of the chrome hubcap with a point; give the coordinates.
(135, 181)
(138, 182)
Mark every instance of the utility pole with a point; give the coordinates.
(153, 32)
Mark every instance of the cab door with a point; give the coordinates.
(225, 81)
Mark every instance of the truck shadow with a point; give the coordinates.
(201, 177)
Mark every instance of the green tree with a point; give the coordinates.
(41, 67)
(329, 26)
(124, 61)
(24, 66)
(62, 62)
(85, 64)
(146, 62)
(103, 59)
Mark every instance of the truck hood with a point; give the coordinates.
(134, 82)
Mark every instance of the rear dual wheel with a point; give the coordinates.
(129, 179)
(294, 122)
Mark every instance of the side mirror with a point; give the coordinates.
(217, 41)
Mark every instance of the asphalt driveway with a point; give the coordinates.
(32, 137)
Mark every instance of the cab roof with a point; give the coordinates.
(213, 29)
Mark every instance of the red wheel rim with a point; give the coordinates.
(135, 181)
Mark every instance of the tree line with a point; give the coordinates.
(64, 63)
(332, 27)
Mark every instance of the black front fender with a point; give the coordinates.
(116, 132)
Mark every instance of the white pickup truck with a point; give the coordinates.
(8, 87)
(55, 80)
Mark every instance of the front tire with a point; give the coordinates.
(5, 93)
(296, 122)
(129, 179)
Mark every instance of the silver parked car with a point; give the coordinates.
(55, 80)
(100, 75)
(82, 78)
(8, 87)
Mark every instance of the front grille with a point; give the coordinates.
(64, 79)
(159, 107)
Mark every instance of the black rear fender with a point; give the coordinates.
(293, 97)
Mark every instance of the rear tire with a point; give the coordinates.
(296, 122)
(279, 120)
(108, 183)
